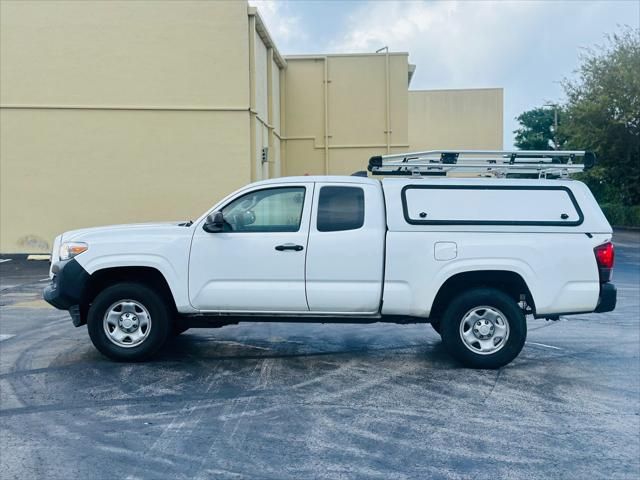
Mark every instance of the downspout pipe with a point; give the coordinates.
(256, 169)
(326, 116)
(387, 95)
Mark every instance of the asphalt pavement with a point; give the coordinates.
(294, 401)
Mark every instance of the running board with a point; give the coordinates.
(219, 319)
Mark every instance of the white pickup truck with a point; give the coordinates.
(471, 256)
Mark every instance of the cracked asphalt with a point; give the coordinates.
(292, 401)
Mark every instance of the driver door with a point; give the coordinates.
(257, 263)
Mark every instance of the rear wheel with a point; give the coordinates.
(128, 322)
(484, 328)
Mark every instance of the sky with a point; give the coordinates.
(525, 47)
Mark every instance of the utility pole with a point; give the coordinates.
(555, 123)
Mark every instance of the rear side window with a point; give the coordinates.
(340, 208)
(490, 205)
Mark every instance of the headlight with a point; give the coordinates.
(71, 249)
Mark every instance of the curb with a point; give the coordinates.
(39, 257)
(23, 257)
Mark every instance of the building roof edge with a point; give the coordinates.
(263, 32)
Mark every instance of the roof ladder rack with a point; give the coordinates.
(491, 163)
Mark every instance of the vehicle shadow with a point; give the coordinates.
(201, 345)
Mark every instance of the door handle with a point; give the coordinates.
(289, 246)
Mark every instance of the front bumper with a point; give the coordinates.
(67, 288)
(608, 298)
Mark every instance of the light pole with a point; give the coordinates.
(555, 123)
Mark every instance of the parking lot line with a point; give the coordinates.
(543, 345)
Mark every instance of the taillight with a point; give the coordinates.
(605, 256)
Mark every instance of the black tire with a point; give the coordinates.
(178, 329)
(437, 326)
(159, 329)
(478, 298)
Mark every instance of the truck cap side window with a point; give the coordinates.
(541, 205)
(340, 208)
(269, 210)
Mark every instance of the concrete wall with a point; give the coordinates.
(334, 129)
(463, 119)
(128, 111)
(265, 72)
(66, 169)
(121, 53)
(119, 112)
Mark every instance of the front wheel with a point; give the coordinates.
(484, 328)
(178, 329)
(437, 327)
(128, 322)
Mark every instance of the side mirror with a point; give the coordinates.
(214, 223)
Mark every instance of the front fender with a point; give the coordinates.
(175, 275)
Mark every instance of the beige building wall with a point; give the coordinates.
(65, 169)
(339, 108)
(124, 54)
(456, 119)
(265, 66)
(125, 111)
(121, 111)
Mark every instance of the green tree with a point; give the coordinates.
(602, 113)
(536, 130)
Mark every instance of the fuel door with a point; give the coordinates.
(443, 251)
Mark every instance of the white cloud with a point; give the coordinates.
(452, 42)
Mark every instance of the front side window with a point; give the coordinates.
(269, 210)
(340, 208)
